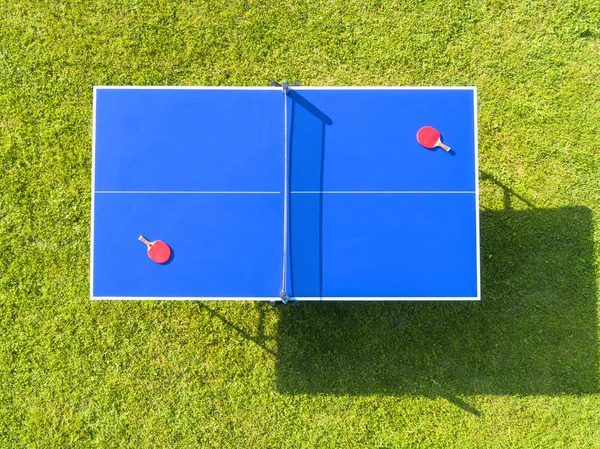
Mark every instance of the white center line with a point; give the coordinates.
(185, 192)
(384, 191)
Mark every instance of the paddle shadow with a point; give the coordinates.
(171, 258)
(535, 332)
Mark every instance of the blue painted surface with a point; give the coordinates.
(370, 143)
(340, 244)
(384, 245)
(224, 245)
(150, 139)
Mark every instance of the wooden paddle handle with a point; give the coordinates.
(445, 147)
(142, 239)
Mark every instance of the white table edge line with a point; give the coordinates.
(277, 298)
(278, 88)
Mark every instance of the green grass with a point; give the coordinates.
(519, 369)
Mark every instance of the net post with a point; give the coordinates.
(284, 84)
(284, 297)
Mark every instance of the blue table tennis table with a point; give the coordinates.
(308, 193)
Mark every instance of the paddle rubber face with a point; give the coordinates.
(428, 137)
(158, 250)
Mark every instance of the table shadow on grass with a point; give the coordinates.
(533, 333)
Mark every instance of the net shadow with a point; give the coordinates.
(306, 168)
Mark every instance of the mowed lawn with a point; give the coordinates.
(519, 369)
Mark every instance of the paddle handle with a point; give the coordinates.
(441, 145)
(142, 239)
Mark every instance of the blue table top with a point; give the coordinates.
(371, 213)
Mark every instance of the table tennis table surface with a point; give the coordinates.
(224, 174)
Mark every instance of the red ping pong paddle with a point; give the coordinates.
(158, 250)
(430, 138)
